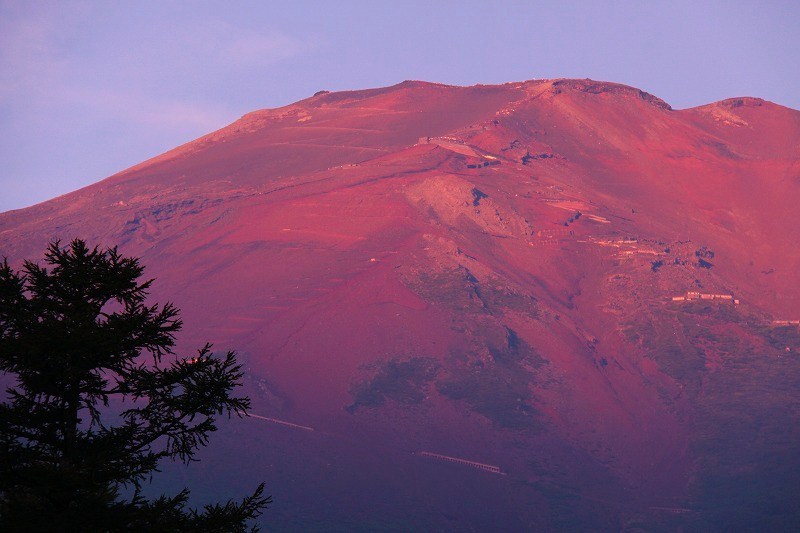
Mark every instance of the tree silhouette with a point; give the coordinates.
(99, 398)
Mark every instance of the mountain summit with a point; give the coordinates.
(540, 305)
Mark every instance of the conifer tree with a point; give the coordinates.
(99, 398)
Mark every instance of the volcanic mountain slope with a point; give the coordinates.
(567, 282)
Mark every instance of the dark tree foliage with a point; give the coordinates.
(99, 398)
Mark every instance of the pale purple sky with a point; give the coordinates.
(88, 88)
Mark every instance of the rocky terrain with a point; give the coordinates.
(540, 305)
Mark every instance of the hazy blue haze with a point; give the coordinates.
(89, 88)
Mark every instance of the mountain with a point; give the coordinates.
(554, 304)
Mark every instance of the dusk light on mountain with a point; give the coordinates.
(464, 303)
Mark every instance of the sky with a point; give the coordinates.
(89, 88)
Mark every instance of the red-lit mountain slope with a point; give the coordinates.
(488, 273)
